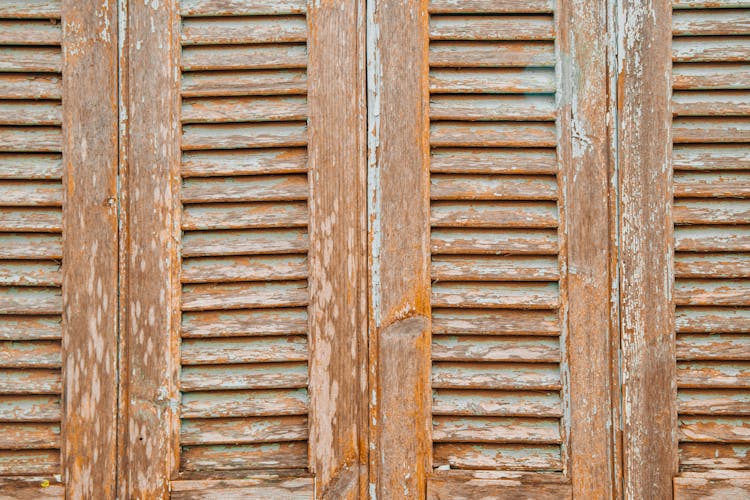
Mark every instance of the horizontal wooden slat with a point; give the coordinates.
(244, 403)
(249, 188)
(30, 219)
(30, 193)
(30, 381)
(702, 211)
(290, 455)
(491, 348)
(711, 49)
(30, 327)
(695, 347)
(26, 9)
(262, 268)
(244, 162)
(258, 322)
(30, 246)
(491, 54)
(711, 157)
(714, 456)
(294, 485)
(234, 57)
(710, 22)
(452, 27)
(490, 6)
(233, 136)
(250, 242)
(492, 81)
(505, 456)
(39, 354)
(712, 292)
(714, 484)
(194, 8)
(498, 376)
(241, 83)
(709, 4)
(491, 268)
(493, 161)
(492, 187)
(243, 430)
(711, 103)
(243, 376)
(30, 59)
(496, 214)
(31, 139)
(712, 239)
(244, 295)
(710, 76)
(714, 430)
(496, 403)
(17, 463)
(243, 109)
(712, 320)
(40, 408)
(495, 295)
(497, 134)
(712, 184)
(497, 430)
(244, 215)
(454, 484)
(716, 375)
(30, 32)
(30, 166)
(243, 30)
(30, 86)
(711, 129)
(30, 273)
(713, 402)
(494, 322)
(720, 265)
(242, 350)
(30, 300)
(489, 108)
(24, 436)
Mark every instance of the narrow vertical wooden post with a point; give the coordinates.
(338, 246)
(583, 154)
(89, 339)
(646, 235)
(399, 227)
(150, 221)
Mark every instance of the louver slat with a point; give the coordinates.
(31, 194)
(494, 216)
(244, 357)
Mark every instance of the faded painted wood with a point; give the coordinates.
(338, 247)
(149, 257)
(399, 270)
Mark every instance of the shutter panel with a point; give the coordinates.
(245, 239)
(494, 241)
(711, 161)
(31, 195)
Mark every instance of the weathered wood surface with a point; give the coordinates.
(338, 247)
(647, 331)
(711, 485)
(465, 485)
(149, 221)
(399, 274)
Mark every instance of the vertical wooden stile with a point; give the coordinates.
(646, 237)
(399, 221)
(90, 156)
(583, 156)
(149, 167)
(338, 247)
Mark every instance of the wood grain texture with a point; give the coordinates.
(399, 279)
(647, 331)
(89, 347)
(149, 281)
(338, 245)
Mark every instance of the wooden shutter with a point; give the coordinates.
(245, 250)
(711, 158)
(58, 248)
(489, 222)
